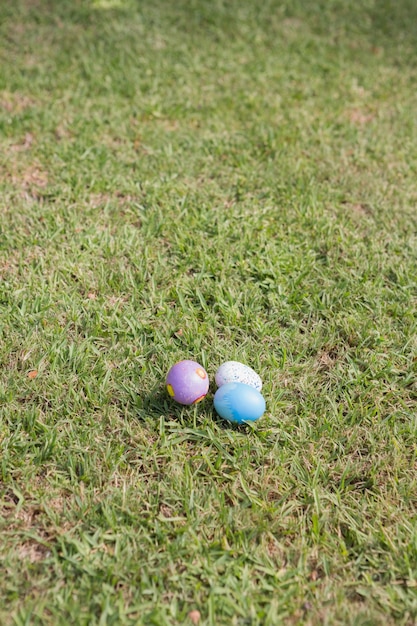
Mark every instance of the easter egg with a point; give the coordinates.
(187, 382)
(235, 372)
(239, 403)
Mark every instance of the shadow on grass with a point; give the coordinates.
(387, 24)
(384, 24)
(157, 403)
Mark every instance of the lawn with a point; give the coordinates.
(208, 180)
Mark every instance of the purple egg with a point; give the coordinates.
(187, 382)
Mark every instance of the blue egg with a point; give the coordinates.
(239, 403)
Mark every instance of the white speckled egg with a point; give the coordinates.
(235, 372)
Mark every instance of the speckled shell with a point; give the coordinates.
(235, 372)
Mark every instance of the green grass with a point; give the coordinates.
(208, 180)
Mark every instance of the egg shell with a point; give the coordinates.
(235, 372)
(239, 403)
(187, 382)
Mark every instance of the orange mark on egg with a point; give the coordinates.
(199, 399)
(170, 390)
(200, 372)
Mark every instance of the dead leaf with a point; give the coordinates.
(326, 360)
(15, 102)
(32, 374)
(356, 116)
(30, 177)
(363, 209)
(32, 552)
(165, 511)
(24, 145)
(62, 132)
(194, 616)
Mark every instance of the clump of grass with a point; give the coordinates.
(211, 181)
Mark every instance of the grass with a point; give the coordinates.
(214, 181)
